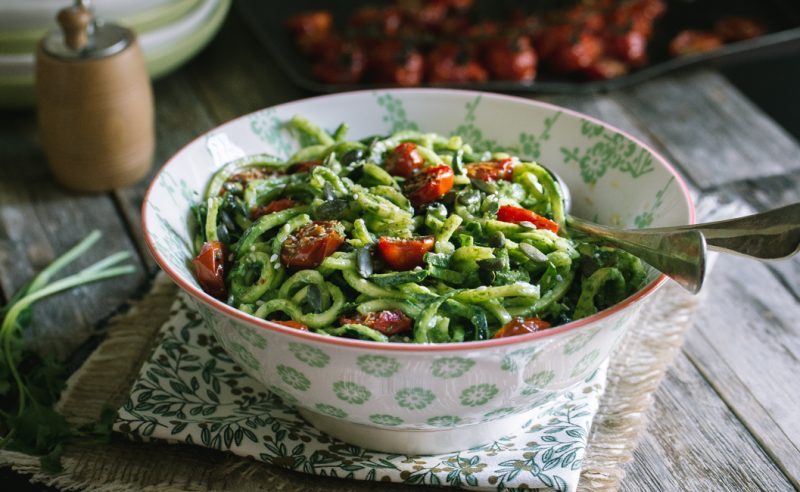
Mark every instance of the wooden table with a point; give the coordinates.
(726, 417)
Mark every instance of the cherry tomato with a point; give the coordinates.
(273, 206)
(249, 174)
(374, 21)
(303, 167)
(429, 185)
(521, 326)
(387, 322)
(483, 29)
(404, 254)
(449, 63)
(585, 17)
(291, 324)
(693, 42)
(578, 52)
(459, 5)
(452, 27)
(312, 30)
(312, 243)
(343, 63)
(551, 38)
(629, 46)
(404, 160)
(733, 28)
(427, 14)
(310, 23)
(511, 59)
(393, 62)
(515, 215)
(491, 170)
(606, 68)
(209, 266)
(526, 24)
(638, 16)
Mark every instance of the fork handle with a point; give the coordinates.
(768, 236)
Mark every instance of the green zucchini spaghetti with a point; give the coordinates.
(411, 237)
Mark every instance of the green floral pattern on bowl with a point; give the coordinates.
(190, 391)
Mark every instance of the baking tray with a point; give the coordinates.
(781, 16)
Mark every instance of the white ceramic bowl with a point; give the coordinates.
(424, 398)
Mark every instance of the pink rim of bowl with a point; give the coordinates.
(198, 293)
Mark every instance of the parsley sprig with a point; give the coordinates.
(30, 383)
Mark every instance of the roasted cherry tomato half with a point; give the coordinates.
(630, 46)
(511, 58)
(586, 17)
(638, 15)
(521, 326)
(312, 31)
(310, 23)
(209, 266)
(273, 206)
(578, 52)
(733, 28)
(394, 62)
(249, 174)
(291, 324)
(404, 254)
(484, 29)
(303, 167)
(404, 160)
(387, 322)
(312, 243)
(515, 215)
(429, 185)
(427, 14)
(693, 42)
(497, 170)
(450, 63)
(606, 68)
(374, 21)
(343, 63)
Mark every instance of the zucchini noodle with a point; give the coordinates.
(352, 238)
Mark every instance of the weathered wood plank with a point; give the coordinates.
(693, 442)
(180, 117)
(746, 338)
(715, 133)
(39, 221)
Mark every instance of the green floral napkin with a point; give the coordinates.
(191, 391)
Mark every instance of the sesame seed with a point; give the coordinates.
(273, 258)
(355, 197)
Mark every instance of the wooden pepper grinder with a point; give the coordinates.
(95, 103)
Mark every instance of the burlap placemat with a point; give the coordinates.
(634, 373)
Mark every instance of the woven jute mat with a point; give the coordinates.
(635, 372)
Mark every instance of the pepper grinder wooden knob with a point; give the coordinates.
(94, 103)
(75, 24)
